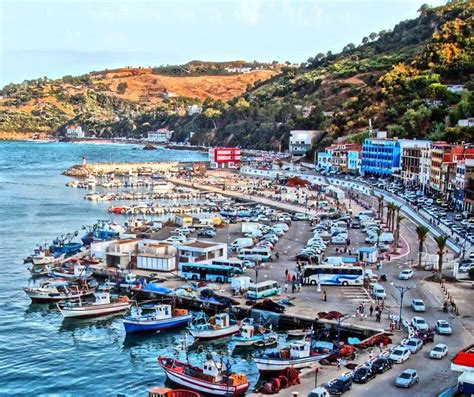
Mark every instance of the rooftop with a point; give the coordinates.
(199, 244)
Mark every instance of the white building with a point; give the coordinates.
(162, 135)
(239, 70)
(466, 122)
(156, 256)
(301, 141)
(75, 132)
(194, 109)
(199, 251)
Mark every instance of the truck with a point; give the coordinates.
(241, 283)
(242, 242)
(339, 260)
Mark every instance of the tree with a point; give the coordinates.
(242, 105)
(365, 40)
(400, 218)
(441, 243)
(212, 114)
(423, 10)
(373, 36)
(122, 87)
(380, 199)
(379, 232)
(422, 232)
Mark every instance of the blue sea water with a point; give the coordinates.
(40, 354)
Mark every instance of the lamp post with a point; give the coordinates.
(316, 377)
(402, 289)
(338, 326)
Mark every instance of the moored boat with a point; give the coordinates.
(298, 354)
(76, 271)
(251, 334)
(162, 318)
(56, 291)
(218, 326)
(212, 379)
(102, 306)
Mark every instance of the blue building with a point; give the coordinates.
(324, 162)
(380, 157)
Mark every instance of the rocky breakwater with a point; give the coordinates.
(84, 170)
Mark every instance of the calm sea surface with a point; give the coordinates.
(39, 353)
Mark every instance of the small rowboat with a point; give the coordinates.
(56, 291)
(215, 327)
(101, 307)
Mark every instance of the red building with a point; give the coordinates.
(224, 157)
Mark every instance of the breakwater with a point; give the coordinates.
(84, 170)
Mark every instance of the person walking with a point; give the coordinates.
(371, 310)
(286, 287)
(371, 355)
(286, 273)
(293, 287)
(325, 296)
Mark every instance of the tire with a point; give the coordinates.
(345, 283)
(313, 282)
(194, 278)
(219, 280)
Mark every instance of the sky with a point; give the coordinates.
(61, 37)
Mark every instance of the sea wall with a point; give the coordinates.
(84, 170)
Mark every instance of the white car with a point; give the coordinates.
(405, 274)
(176, 239)
(412, 344)
(419, 323)
(442, 327)
(399, 355)
(418, 305)
(439, 351)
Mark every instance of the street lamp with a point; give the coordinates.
(338, 326)
(402, 289)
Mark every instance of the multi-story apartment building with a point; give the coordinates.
(380, 157)
(468, 196)
(413, 164)
(339, 153)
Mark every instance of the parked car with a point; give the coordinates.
(319, 392)
(363, 374)
(439, 351)
(412, 344)
(442, 327)
(340, 385)
(418, 305)
(399, 355)
(407, 378)
(381, 365)
(405, 274)
(419, 323)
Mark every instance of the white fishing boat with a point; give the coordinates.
(102, 306)
(77, 271)
(298, 354)
(251, 334)
(218, 326)
(44, 258)
(56, 291)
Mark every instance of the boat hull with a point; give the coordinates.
(136, 326)
(277, 365)
(42, 297)
(88, 311)
(201, 386)
(210, 334)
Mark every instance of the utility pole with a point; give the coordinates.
(402, 289)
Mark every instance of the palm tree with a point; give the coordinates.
(422, 232)
(395, 214)
(380, 200)
(400, 218)
(441, 243)
(390, 215)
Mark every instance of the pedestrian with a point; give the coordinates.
(288, 277)
(371, 355)
(357, 313)
(381, 346)
(286, 287)
(338, 364)
(371, 310)
(286, 273)
(325, 296)
(277, 256)
(362, 308)
(293, 287)
(293, 279)
(377, 317)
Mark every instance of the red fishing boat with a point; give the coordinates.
(212, 379)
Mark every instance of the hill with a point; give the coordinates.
(104, 97)
(398, 78)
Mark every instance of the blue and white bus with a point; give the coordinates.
(263, 289)
(261, 254)
(237, 264)
(333, 275)
(208, 272)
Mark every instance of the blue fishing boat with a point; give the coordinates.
(64, 245)
(103, 230)
(251, 334)
(162, 318)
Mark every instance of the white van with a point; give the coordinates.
(333, 260)
(240, 283)
(241, 243)
(378, 291)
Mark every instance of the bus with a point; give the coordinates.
(333, 275)
(263, 289)
(261, 254)
(237, 264)
(208, 272)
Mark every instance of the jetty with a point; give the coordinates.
(141, 168)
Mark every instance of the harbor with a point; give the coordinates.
(192, 254)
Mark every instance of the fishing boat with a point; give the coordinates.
(65, 245)
(103, 230)
(102, 306)
(76, 271)
(251, 334)
(299, 333)
(218, 326)
(161, 318)
(39, 270)
(212, 379)
(56, 291)
(298, 354)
